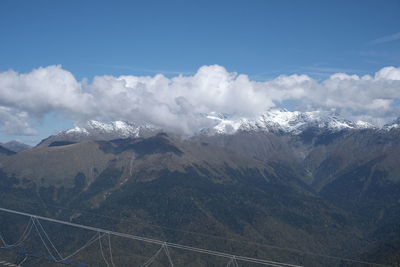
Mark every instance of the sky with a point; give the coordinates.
(171, 62)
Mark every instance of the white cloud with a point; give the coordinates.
(15, 122)
(179, 103)
(388, 73)
(386, 39)
(42, 90)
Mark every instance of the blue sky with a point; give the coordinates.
(262, 39)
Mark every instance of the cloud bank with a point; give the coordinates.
(181, 102)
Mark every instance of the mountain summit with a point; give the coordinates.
(117, 128)
(15, 146)
(392, 125)
(286, 122)
(96, 130)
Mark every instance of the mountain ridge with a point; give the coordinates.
(15, 146)
(6, 151)
(279, 121)
(287, 122)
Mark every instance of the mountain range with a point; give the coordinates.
(286, 186)
(15, 146)
(278, 121)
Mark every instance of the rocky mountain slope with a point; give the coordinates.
(318, 184)
(178, 184)
(6, 151)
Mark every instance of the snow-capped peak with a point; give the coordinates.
(96, 130)
(279, 121)
(284, 121)
(364, 125)
(223, 125)
(120, 128)
(76, 130)
(392, 125)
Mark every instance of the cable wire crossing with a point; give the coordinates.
(109, 247)
(22, 238)
(294, 250)
(102, 252)
(152, 258)
(34, 222)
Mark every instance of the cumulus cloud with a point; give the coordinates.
(180, 103)
(42, 90)
(15, 122)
